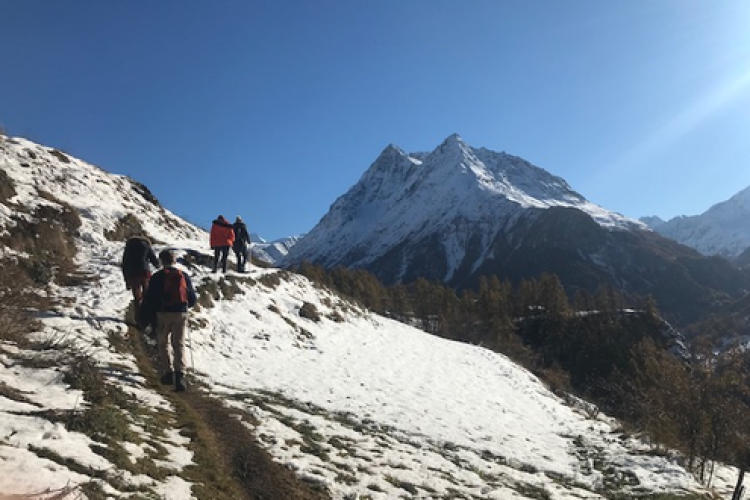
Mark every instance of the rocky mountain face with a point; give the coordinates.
(722, 230)
(459, 212)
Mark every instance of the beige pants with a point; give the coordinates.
(171, 329)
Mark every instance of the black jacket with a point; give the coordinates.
(138, 253)
(241, 236)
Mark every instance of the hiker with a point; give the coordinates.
(169, 295)
(135, 267)
(241, 241)
(222, 238)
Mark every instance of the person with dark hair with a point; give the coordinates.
(135, 267)
(241, 241)
(169, 295)
(221, 240)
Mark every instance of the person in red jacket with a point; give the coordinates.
(222, 239)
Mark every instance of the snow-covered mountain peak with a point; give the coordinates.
(392, 165)
(451, 192)
(453, 157)
(741, 199)
(720, 230)
(453, 145)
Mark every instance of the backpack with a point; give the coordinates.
(175, 287)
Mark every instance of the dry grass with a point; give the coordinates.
(7, 188)
(48, 238)
(127, 226)
(16, 301)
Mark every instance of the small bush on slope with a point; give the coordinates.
(16, 301)
(46, 240)
(127, 226)
(7, 189)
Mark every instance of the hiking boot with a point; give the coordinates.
(167, 378)
(179, 382)
(150, 331)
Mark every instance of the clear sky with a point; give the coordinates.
(272, 109)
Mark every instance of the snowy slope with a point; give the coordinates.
(394, 412)
(721, 230)
(456, 192)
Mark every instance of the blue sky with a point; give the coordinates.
(273, 109)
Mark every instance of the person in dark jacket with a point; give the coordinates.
(241, 241)
(171, 318)
(135, 267)
(221, 240)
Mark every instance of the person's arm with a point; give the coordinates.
(122, 266)
(151, 301)
(153, 258)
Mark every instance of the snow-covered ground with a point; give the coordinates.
(367, 407)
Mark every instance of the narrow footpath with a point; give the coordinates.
(241, 468)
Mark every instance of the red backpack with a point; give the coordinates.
(175, 287)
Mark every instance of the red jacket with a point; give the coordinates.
(222, 234)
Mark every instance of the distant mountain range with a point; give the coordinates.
(724, 229)
(272, 251)
(458, 213)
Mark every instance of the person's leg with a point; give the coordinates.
(137, 285)
(130, 282)
(224, 256)
(217, 251)
(239, 259)
(243, 257)
(179, 331)
(166, 366)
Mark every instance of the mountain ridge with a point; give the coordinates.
(721, 230)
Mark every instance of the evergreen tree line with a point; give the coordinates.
(611, 348)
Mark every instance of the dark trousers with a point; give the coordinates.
(137, 284)
(221, 254)
(240, 252)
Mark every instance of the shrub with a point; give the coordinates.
(229, 287)
(48, 237)
(7, 188)
(127, 226)
(60, 155)
(207, 292)
(309, 311)
(144, 192)
(270, 280)
(16, 299)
